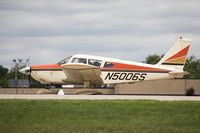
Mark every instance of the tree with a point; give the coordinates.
(192, 66)
(3, 73)
(153, 59)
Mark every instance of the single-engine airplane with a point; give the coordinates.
(96, 70)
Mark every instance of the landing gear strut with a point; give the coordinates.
(86, 84)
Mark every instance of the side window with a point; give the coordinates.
(82, 60)
(108, 65)
(75, 60)
(94, 62)
(79, 60)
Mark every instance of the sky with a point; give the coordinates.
(46, 31)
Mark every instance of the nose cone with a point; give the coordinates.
(25, 70)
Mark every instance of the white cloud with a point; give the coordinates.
(47, 31)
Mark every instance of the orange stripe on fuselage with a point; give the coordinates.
(117, 66)
(45, 67)
(129, 67)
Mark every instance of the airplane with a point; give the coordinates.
(94, 71)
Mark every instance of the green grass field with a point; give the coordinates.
(74, 116)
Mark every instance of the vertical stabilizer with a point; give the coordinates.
(176, 56)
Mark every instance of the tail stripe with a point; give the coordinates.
(177, 59)
(182, 53)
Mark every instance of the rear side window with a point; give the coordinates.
(108, 65)
(94, 62)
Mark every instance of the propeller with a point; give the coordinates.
(27, 71)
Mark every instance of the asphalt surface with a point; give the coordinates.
(102, 97)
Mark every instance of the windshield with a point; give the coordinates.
(64, 61)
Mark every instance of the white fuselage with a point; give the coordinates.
(108, 75)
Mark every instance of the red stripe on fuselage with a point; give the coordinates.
(129, 67)
(116, 67)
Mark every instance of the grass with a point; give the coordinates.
(74, 116)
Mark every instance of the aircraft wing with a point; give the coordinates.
(80, 73)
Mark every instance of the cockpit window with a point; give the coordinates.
(94, 62)
(64, 61)
(108, 65)
(79, 60)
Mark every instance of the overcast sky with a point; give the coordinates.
(47, 31)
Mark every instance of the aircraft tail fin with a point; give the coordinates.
(176, 56)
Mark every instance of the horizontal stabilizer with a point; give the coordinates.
(178, 74)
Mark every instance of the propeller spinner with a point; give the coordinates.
(25, 70)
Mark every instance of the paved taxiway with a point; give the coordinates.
(102, 97)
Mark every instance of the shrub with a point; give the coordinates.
(190, 91)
